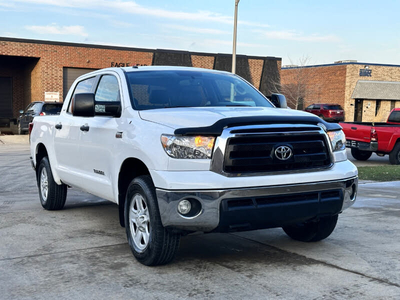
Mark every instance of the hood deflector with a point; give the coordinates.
(217, 128)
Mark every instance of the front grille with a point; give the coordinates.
(255, 153)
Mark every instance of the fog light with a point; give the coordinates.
(184, 207)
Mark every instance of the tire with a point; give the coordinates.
(52, 196)
(150, 242)
(394, 156)
(20, 129)
(321, 116)
(360, 155)
(312, 231)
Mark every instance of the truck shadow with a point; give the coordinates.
(235, 252)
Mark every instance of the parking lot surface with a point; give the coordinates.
(81, 252)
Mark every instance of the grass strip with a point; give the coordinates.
(379, 173)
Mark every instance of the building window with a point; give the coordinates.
(377, 107)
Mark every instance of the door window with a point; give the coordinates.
(84, 86)
(108, 89)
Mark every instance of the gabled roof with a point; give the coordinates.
(377, 90)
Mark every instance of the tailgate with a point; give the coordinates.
(357, 132)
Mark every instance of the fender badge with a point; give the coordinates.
(118, 135)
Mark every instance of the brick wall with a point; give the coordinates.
(321, 84)
(378, 73)
(203, 61)
(256, 67)
(47, 74)
(44, 73)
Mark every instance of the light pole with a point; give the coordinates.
(234, 37)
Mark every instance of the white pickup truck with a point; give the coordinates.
(182, 150)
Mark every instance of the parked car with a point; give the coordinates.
(184, 150)
(381, 138)
(34, 109)
(328, 112)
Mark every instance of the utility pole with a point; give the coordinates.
(234, 37)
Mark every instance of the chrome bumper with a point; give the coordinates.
(363, 146)
(208, 218)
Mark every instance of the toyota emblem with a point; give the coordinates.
(283, 152)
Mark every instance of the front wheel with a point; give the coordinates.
(150, 242)
(360, 155)
(394, 156)
(52, 195)
(313, 231)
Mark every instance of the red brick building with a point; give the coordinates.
(367, 92)
(30, 68)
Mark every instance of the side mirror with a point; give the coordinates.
(83, 105)
(279, 100)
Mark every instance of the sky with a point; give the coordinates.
(300, 32)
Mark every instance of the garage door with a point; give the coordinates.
(69, 76)
(6, 97)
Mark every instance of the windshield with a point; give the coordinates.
(178, 88)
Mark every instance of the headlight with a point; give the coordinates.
(194, 147)
(338, 140)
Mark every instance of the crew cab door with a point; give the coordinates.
(67, 138)
(98, 139)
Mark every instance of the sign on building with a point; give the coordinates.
(52, 96)
(366, 72)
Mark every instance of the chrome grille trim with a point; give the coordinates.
(279, 130)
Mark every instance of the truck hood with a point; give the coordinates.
(206, 116)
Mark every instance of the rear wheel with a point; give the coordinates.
(313, 231)
(150, 242)
(19, 128)
(394, 156)
(360, 155)
(52, 195)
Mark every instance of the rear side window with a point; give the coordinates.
(84, 86)
(51, 109)
(394, 117)
(334, 107)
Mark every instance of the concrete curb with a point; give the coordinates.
(14, 140)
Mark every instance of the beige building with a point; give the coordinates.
(366, 91)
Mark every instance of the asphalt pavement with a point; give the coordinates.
(81, 252)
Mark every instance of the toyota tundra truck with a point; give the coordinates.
(184, 150)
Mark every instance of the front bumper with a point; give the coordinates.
(257, 207)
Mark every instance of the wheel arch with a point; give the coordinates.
(130, 168)
(395, 139)
(41, 152)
